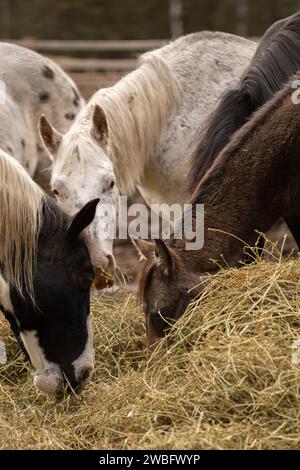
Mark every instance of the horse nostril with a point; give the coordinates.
(85, 374)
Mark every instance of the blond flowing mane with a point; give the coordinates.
(137, 110)
(20, 216)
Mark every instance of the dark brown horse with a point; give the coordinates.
(253, 182)
(276, 59)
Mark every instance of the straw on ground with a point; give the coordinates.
(227, 379)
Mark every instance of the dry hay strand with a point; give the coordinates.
(226, 380)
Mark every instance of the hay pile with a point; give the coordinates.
(227, 382)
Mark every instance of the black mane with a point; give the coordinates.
(275, 61)
(217, 171)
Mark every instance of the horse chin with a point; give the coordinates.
(50, 381)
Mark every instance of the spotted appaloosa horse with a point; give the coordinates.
(45, 279)
(139, 133)
(30, 86)
(253, 182)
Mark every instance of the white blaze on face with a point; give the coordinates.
(48, 377)
(86, 360)
(79, 179)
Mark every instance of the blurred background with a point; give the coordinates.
(137, 19)
(97, 41)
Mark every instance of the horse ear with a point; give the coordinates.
(84, 217)
(164, 256)
(144, 248)
(50, 137)
(100, 127)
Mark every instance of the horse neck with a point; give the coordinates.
(276, 59)
(253, 182)
(137, 109)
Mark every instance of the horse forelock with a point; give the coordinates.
(77, 144)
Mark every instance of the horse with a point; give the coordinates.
(276, 59)
(140, 132)
(253, 181)
(45, 279)
(30, 86)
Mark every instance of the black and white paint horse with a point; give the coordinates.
(45, 279)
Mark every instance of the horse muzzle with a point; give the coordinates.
(50, 381)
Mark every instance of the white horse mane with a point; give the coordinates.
(20, 218)
(137, 110)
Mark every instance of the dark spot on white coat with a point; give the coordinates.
(70, 116)
(44, 97)
(48, 73)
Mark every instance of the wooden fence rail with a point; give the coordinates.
(129, 46)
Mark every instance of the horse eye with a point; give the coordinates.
(109, 185)
(55, 192)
